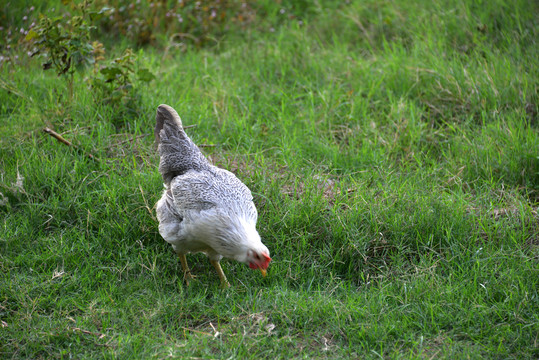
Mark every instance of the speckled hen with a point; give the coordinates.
(203, 208)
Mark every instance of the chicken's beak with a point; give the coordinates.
(263, 271)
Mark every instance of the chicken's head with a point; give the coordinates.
(236, 238)
(258, 259)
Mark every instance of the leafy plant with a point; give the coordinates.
(116, 78)
(65, 44)
(113, 81)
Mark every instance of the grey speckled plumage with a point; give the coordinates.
(203, 208)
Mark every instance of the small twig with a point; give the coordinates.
(61, 139)
(206, 145)
(57, 136)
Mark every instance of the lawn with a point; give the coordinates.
(392, 149)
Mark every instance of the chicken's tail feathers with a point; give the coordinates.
(177, 152)
(166, 115)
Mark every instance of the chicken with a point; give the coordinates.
(203, 208)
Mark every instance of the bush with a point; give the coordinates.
(193, 21)
(65, 44)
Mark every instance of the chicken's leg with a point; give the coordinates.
(224, 281)
(186, 272)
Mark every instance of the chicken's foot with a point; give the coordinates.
(224, 281)
(187, 276)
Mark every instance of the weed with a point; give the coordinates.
(65, 44)
(113, 83)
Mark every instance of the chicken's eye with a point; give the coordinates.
(257, 257)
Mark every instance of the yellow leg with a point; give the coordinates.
(186, 272)
(224, 281)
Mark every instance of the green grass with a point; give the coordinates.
(393, 152)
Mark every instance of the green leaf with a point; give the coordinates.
(31, 35)
(145, 75)
(110, 73)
